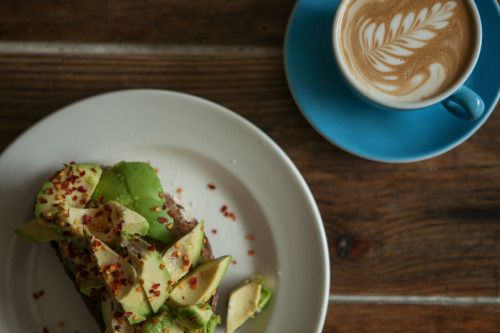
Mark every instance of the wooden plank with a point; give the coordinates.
(215, 22)
(407, 229)
(386, 318)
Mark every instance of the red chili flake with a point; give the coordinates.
(223, 209)
(157, 170)
(72, 163)
(186, 262)
(155, 286)
(157, 293)
(136, 240)
(161, 219)
(193, 319)
(214, 231)
(161, 195)
(250, 237)
(164, 206)
(98, 243)
(93, 170)
(152, 247)
(82, 173)
(169, 282)
(193, 281)
(234, 262)
(86, 219)
(101, 199)
(172, 215)
(84, 201)
(127, 314)
(69, 191)
(48, 191)
(42, 200)
(211, 186)
(81, 189)
(251, 252)
(75, 197)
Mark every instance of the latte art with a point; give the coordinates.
(406, 50)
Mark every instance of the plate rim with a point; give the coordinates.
(234, 116)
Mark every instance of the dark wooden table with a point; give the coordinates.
(414, 247)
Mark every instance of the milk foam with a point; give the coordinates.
(406, 50)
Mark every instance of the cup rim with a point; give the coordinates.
(405, 105)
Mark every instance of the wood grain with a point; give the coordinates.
(215, 22)
(425, 228)
(387, 318)
(405, 229)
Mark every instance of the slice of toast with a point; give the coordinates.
(183, 223)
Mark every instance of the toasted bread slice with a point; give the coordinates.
(183, 223)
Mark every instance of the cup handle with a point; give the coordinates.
(465, 104)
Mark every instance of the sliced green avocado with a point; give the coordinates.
(164, 320)
(122, 281)
(212, 323)
(184, 254)
(109, 220)
(150, 269)
(112, 315)
(194, 318)
(246, 300)
(109, 306)
(70, 187)
(136, 186)
(197, 286)
(33, 231)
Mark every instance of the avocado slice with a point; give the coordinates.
(195, 318)
(136, 186)
(150, 269)
(33, 231)
(78, 260)
(70, 187)
(184, 254)
(246, 300)
(197, 286)
(212, 323)
(122, 281)
(109, 220)
(164, 320)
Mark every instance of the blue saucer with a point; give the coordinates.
(386, 136)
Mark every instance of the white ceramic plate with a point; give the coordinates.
(193, 143)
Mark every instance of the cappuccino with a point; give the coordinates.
(406, 50)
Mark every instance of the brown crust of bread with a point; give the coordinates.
(182, 225)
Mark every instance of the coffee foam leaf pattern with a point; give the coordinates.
(386, 48)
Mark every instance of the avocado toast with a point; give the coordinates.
(140, 263)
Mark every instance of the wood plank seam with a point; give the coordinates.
(421, 300)
(27, 47)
